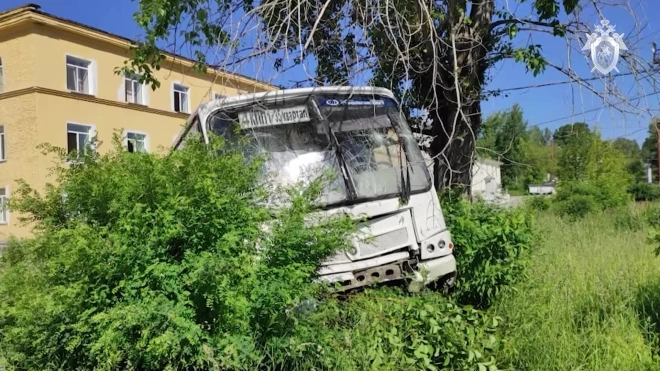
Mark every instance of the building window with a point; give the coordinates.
(133, 92)
(4, 209)
(180, 98)
(78, 138)
(3, 149)
(2, 77)
(219, 96)
(78, 75)
(136, 142)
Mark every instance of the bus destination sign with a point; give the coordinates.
(273, 117)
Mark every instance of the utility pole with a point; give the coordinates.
(552, 149)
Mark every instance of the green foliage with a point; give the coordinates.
(501, 136)
(576, 205)
(538, 203)
(389, 330)
(525, 153)
(652, 216)
(593, 174)
(571, 133)
(628, 147)
(590, 292)
(645, 191)
(159, 263)
(650, 146)
(490, 247)
(629, 218)
(577, 199)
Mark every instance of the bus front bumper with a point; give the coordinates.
(419, 274)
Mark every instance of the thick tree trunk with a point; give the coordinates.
(453, 147)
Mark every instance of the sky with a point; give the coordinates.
(550, 106)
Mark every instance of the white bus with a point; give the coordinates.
(382, 178)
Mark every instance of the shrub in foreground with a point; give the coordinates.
(490, 246)
(157, 263)
(387, 329)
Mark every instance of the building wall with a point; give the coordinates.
(18, 53)
(18, 115)
(36, 106)
(54, 45)
(480, 171)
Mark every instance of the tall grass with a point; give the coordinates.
(589, 302)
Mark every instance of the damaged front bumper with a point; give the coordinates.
(391, 267)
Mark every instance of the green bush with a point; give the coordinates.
(158, 263)
(644, 191)
(490, 246)
(389, 330)
(577, 199)
(576, 206)
(539, 203)
(652, 216)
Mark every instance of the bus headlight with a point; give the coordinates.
(436, 246)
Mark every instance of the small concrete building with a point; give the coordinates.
(486, 179)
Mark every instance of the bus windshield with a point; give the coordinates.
(365, 143)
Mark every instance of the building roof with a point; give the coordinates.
(33, 12)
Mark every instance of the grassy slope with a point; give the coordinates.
(583, 306)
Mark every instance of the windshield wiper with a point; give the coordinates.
(405, 180)
(352, 193)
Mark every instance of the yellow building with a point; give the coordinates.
(58, 86)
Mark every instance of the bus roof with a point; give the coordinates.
(276, 95)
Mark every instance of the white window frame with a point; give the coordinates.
(4, 213)
(3, 144)
(138, 132)
(2, 77)
(92, 133)
(173, 91)
(91, 74)
(216, 95)
(126, 79)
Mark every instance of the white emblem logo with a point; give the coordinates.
(604, 48)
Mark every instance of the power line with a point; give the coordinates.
(554, 83)
(590, 110)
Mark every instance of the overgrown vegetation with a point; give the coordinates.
(153, 262)
(590, 300)
(158, 263)
(491, 247)
(147, 262)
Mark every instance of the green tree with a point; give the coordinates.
(628, 147)
(539, 162)
(570, 133)
(501, 139)
(593, 174)
(576, 142)
(439, 65)
(631, 149)
(537, 136)
(650, 146)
